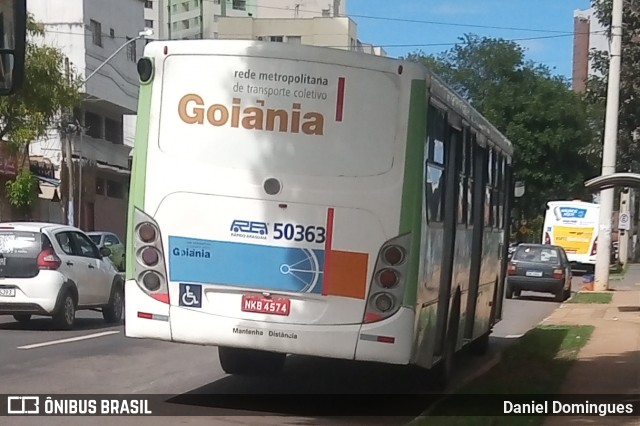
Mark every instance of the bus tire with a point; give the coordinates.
(250, 362)
(444, 370)
(480, 346)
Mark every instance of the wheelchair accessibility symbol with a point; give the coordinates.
(191, 295)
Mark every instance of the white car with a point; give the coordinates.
(54, 270)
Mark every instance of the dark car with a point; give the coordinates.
(541, 268)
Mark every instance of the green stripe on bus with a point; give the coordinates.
(411, 214)
(138, 169)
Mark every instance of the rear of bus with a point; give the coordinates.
(573, 225)
(268, 206)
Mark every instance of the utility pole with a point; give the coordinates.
(609, 150)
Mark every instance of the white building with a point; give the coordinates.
(333, 32)
(193, 19)
(88, 32)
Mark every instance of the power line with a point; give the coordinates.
(405, 20)
(377, 45)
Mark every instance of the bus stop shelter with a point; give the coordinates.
(599, 183)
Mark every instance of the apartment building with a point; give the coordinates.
(588, 35)
(88, 32)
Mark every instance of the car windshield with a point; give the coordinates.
(95, 239)
(537, 254)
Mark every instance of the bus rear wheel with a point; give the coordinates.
(250, 361)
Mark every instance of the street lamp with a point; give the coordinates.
(147, 32)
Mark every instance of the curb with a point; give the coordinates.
(492, 362)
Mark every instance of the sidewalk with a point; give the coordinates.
(610, 362)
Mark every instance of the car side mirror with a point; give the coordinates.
(105, 251)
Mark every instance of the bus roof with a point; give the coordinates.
(443, 94)
(569, 202)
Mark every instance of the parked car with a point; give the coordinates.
(110, 240)
(54, 270)
(539, 267)
(512, 249)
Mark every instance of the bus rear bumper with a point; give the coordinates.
(387, 341)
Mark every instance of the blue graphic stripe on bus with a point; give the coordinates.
(572, 212)
(246, 265)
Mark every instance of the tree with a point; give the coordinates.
(547, 123)
(628, 150)
(49, 89)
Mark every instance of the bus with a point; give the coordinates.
(290, 199)
(573, 225)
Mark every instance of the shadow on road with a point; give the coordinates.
(46, 324)
(325, 388)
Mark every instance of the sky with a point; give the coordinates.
(399, 38)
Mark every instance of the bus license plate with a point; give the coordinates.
(263, 305)
(7, 292)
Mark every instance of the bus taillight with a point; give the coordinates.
(387, 285)
(594, 249)
(150, 269)
(388, 278)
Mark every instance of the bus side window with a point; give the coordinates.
(435, 176)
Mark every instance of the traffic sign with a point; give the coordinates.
(624, 221)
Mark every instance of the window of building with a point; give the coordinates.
(186, 24)
(185, 7)
(113, 130)
(131, 50)
(277, 39)
(112, 33)
(100, 189)
(239, 5)
(148, 4)
(326, 13)
(115, 189)
(148, 23)
(96, 32)
(92, 125)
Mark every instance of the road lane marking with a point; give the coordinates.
(71, 339)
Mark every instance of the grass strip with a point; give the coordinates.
(537, 364)
(589, 297)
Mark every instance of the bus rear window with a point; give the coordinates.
(276, 115)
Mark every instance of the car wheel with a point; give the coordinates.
(22, 317)
(509, 292)
(112, 313)
(560, 294)
(65, 317)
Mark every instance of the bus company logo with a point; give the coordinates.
(192, 110)
(191, 252)
(249, 229)
(570, 213)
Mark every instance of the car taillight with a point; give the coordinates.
(594, 249)
(149, 267)
(511, 270)
(558, 273)
(387, 287)
(47, 259)
(547, 238)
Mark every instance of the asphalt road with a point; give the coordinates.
(95, 358)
